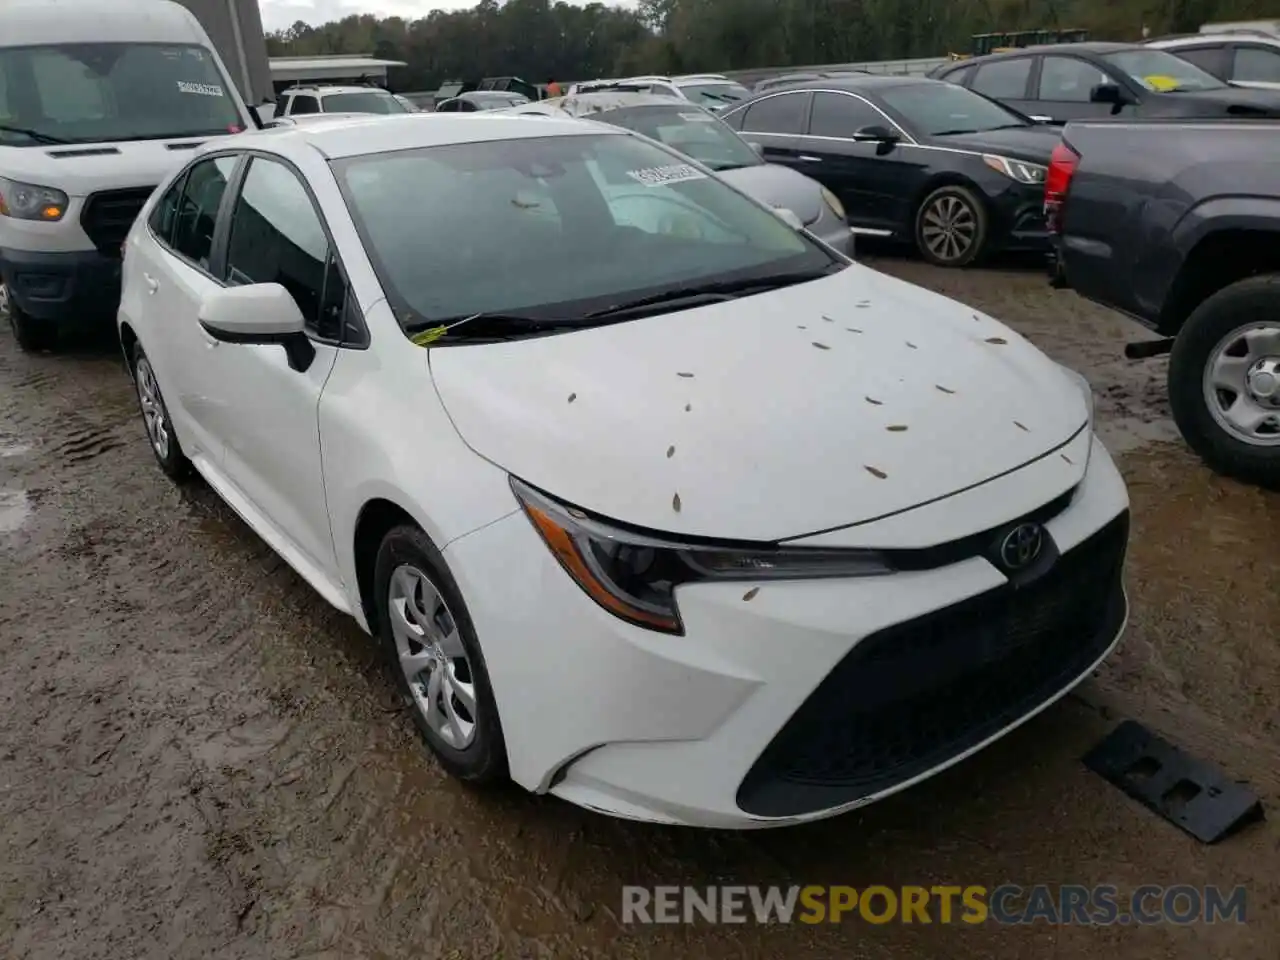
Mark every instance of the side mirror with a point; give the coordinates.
(258, 313)
(876, 133)
(789, 217)
(1109, 93)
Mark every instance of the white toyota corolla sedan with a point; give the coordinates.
(653, 502)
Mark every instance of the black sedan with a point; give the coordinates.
(1076, 81)
(913, 159)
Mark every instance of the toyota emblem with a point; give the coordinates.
(1021, 546)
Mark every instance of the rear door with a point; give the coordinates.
(1007, 80)
(775, 124)
(178, 271)
(872, 180)
(1063, 89)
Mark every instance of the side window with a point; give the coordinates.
(1003, 79)
(165, 213)
(1255, 64)
(784, 113)
(959, 77)
(1068, 79)
(304, 104)
(466, 106)
(1212, 60)
(197, 211)
(449, 106)
(839, 115)
(277, 237)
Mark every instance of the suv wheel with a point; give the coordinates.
(32, 335)
(1224, 380)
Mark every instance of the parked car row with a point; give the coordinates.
(711, 90)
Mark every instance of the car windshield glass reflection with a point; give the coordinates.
(572, 225)
(940, 109)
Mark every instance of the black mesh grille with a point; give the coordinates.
(109, 215)
(917, 694)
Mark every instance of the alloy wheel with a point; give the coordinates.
(949, 228)
(1242, 384)
(432, 657)
(154, 413)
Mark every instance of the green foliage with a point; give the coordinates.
(540, 40)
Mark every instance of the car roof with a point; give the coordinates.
(867, 81)
(621, 99)
(324, 89)
(353, 136)
(1196, 39)
(1096, 48)
(32, 22)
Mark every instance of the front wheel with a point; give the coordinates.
(32, 335)
(1224, 380)
(431, 648)
(951, 227)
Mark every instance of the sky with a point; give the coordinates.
(278, 14)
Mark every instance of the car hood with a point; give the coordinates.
(80, 169)
(1022, 143)
(770, 417)
(779, 186)
(1233, 101)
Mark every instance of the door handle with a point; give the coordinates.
(152, 283)
(808, 158)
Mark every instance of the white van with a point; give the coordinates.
(99, 100)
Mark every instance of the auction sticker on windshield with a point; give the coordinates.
(203, 89)
(661, 176)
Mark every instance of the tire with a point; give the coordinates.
(1213, 340)
(964, 211)
(414, 587)
(32, 335)
(160, 434)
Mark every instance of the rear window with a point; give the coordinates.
(364, 101)
(693, 132)
(93, 92)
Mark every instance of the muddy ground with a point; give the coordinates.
(199, 759)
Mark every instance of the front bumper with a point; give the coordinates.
(1018, 215)
(65, 288)
(814, 698)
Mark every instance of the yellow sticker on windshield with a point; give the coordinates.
(1160, 82)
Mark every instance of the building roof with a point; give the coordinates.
(328, 68)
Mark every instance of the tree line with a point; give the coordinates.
(540, 39)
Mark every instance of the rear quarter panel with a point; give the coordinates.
(1142, 194)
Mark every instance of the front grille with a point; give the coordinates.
(918, 693)
(108, 216)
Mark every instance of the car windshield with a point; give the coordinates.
(693, 132)
(714, 94)
(937, 108)
(557, 228)
(1163, 72)
(363, 101)
(94, 92)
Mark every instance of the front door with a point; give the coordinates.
(872, 179)
(1064, 88)
(774, 125)
(267, 411)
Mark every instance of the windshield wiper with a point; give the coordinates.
(35, 135)
(952, 133)
(725, 290)
(423, 332)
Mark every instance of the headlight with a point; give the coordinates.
(833, 202)
(1020, 170)
(28, 201)
(634, 575)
